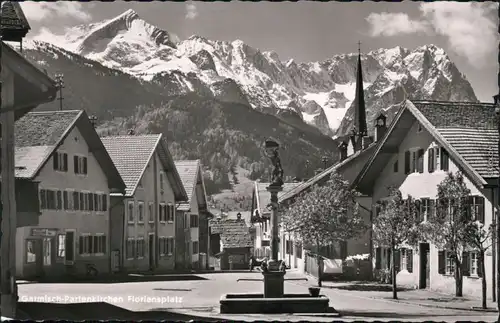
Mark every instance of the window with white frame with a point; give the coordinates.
(450, 264)
(151, 214)
(162, 212)
(477, 208)
(414, 161)
(404, 259)
(474, 257)
(80, 165)
(60, 161)
(130, 210)
(85, 244)
(61, 245)
(130, 248)
(99, 245)
(170, 213)
(425, 205)
(141, 248)
(30, 251)
(140, 212)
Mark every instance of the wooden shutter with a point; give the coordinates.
(465, 263)
(409, 260)
(85, 165)
(43, 199)
(65, 162)
(378, 260)
(65, 199)
(397, 260)
(55, 159)
(480, 216)
(75, 164)
(59, 205)
(91, 201)
(420, 161)
(172, 212)
(76, 201)
(91, 244)
(80, 245)
(407, 162)
(160, 212)
(441, 262)
(430, 160)
(444, 160)
(96, 243)
(104, 202)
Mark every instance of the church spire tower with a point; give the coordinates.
(359, 101)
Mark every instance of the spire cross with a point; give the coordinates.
(359, 47)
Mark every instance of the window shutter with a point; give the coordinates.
(441, 262)
(397, 260)
(91, 244)
(420, 162)
(432, 209)
(103, 241)
(409, 260)
(80, 245)
(104, 202)
(75, 164)
(96, 243)
(43, 199)
(76, 201)
(418, 210)
(165, 207)
(430, 160)
(55, 158)
(59, 200)
(160, 213)
(465, 263)
(51, 200)
(91, 201)
(407, 162)
(444, 160)
(85, 165)
(65, 199)
(172, 212)
(65, 162)
(480, 216)
(479, 265)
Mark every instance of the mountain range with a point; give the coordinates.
(146, 78)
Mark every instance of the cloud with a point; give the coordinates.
(391, 24)
(41, 11)
(191, 11)
(469, 27)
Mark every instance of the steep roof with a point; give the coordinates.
(263, 196)
(13, 17)
(324, 174)
(132, 154)
(234, 233)
(39, 134)
(466, 130)
(189, 172)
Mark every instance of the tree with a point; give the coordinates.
(447, 229)
(479, 237)
(395, 225)
(325, 215)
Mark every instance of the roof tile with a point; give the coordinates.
(234, 233)
(188, 171)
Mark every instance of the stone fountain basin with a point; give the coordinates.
(257, 303)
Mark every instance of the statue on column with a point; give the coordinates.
(272, 152)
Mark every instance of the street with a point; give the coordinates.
(201, 298)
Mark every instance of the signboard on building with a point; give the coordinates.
(39, 232)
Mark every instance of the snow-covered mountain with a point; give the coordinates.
(320, 93)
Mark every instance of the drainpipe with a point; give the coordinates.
(493, 246)
(156, 220)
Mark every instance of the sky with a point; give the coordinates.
(310, 31)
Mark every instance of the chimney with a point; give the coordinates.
(343, 151)
(380, 126)
(366, 141)
(131, 132)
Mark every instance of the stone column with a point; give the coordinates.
(274, 221)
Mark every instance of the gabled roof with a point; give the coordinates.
(189, 172)
(324, 175)
(466, 130)
(132, 154)
(39, 134)
(263, 196)
(234, 233)
(13, 18)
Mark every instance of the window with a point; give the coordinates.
(407, 162)
(414, 161)
(80, 165)
(76, 201)
(474, 261)
(130, 211)
(61, 245)
(186, 221)
(170, 246)
(99, 245)
(445, 160)
(170, 213)
(194, 221)
(395, 167)
(141, 248)
(450, 264)
(433, 161)
(404, 259)
(104, 199)
(68, 200)
(163, 213)
(298, 248)
(151, 215)
(85, 244)
(60, 161)
(130, 248)
(166, 246)
(140, 212)
(476, 204)
(196, 245)
(161, 182)
(30, 251)
(425, 209)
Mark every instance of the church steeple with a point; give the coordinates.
(359, 101)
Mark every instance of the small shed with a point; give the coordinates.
(232, 241)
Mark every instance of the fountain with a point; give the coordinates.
(273, 300)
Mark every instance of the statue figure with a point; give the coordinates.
(277, 174)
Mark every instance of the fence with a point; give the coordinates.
(311, 264)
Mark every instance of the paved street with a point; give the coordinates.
(201, 298)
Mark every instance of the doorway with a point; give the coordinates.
(69, 245)
(424, 266)
(47, 252)
(151, 251)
